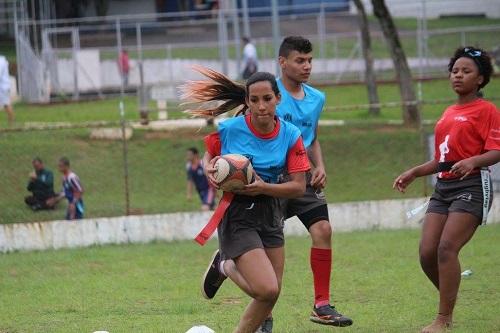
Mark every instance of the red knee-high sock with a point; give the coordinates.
(321, 265)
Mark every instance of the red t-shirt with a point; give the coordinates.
(466, 130)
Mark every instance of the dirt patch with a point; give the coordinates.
(231, 300)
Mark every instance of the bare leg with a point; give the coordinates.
(262, 284)
(321, 235)
(458, 230)
(10, 113)
(431, 234)
(277, 257)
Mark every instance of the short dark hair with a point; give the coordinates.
(37, 159)
(193, 150)
(480, 57)
(245, 39)
(65, 161)
(295, 43)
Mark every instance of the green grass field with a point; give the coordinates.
(155, 288)
(337, 96)
(355, 158)
(356, 155)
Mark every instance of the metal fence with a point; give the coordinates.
(145, 173)
(78, 57)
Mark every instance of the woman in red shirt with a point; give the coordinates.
(467, 141)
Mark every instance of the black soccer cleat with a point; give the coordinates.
(213, 278)
(266, 327)
(328, 315)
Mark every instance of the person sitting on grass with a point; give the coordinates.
(41, 186)
(196, 177)
(72, 190)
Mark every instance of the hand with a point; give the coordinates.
(258, 187)
(463, 168)
(51, 202)
(33, 175)
(318, 179)
(210, 170)
(403, 180)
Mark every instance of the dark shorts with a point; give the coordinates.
(472, 195)
(310, 208)
(207, 197)
(251, 223)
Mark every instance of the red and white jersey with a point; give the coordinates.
(466, 130)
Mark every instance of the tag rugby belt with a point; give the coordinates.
(215, 220)
(445, 166)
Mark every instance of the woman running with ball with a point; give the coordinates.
(251, 231)
(467, 141)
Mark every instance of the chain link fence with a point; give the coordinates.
(133, 165)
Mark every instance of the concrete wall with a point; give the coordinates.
(158, 71)
(367, 215)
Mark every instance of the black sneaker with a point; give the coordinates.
(267, 326)
(328, 315)
(213, 278)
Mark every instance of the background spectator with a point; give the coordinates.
(196, 177)
(72, 190)
(124, 66)
(250, 60)
(5, 89)
(41, 185)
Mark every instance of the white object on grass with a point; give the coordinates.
(466, 273)
(417, 213)
(200, 329)
(101, 332)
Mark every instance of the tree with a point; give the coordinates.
(101, 7)
(70, 8)
(411, 114)
(371, 81)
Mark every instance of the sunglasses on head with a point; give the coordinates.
(471, 52)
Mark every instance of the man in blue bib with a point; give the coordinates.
(302, 105)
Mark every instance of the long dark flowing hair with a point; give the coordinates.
(219, 94)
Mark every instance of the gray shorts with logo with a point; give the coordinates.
(471, 195)
(250, 223)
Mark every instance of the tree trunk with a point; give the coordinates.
(411, 114)
(101, 7)
(371, 81)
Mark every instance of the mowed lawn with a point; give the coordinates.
(362, 158)
(361, 164)
(337, 96)
(155, 288)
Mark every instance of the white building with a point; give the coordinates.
(438, 8)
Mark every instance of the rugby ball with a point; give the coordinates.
(233, 172)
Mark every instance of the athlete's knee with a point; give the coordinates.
(428, 255)
(267, 293)
(321, 230)
(446, 251)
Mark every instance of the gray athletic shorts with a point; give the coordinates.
(310, 208)
(250, 223)
(472, 195)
